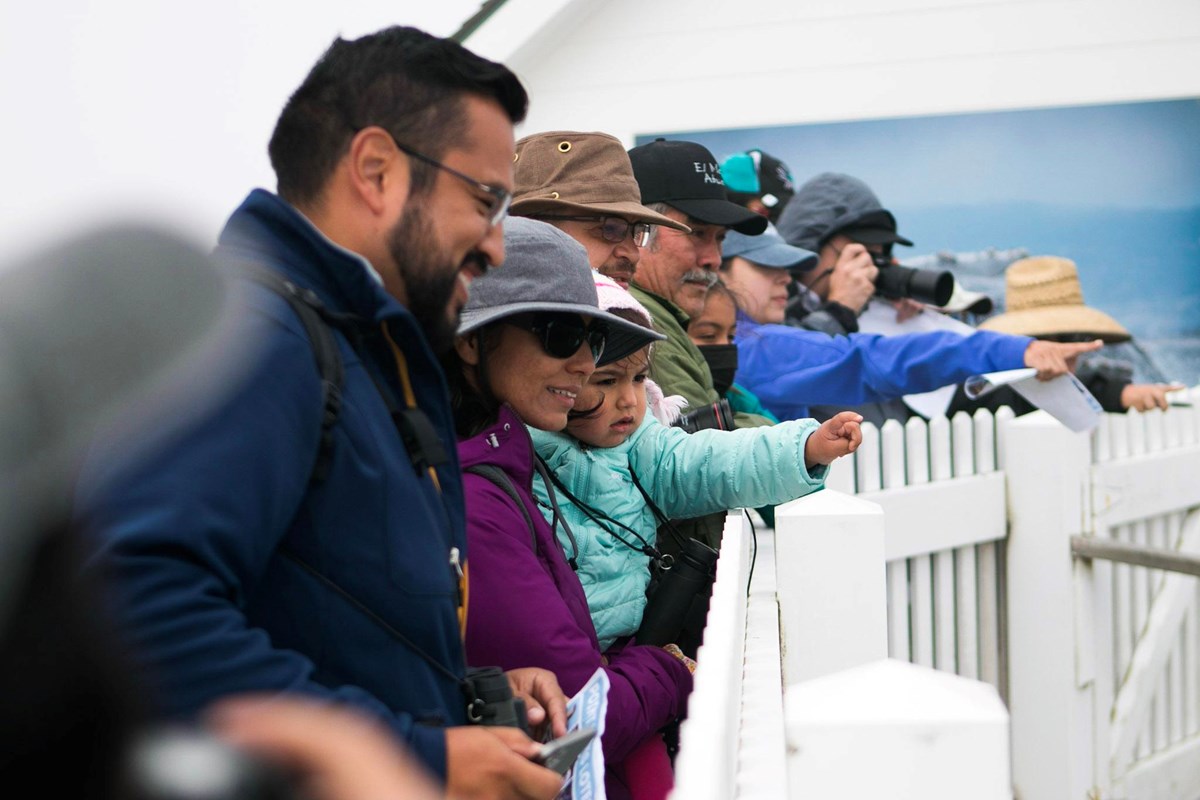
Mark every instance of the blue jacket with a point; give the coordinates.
(791, 368)
(194, 537)
(686, 475)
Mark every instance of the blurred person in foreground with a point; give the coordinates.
(74, 721)
(239, 565)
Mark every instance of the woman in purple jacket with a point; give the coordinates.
(530, 336)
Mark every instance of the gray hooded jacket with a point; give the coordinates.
(826, 204)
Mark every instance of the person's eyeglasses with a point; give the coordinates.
(613, 229)
(561, 333)
(498, 199)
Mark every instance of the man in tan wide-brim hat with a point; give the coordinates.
(1044, 299)
(583, 183)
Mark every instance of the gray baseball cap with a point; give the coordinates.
(544, 269)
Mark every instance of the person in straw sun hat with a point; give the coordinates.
(1044, 299)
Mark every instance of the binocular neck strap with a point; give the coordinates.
(656, 511)
(600, 518)
(557, 517)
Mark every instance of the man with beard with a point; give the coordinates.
(266, 552)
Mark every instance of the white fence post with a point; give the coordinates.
(1050, 686)
(708, 739)
(830, 567)
(897, 730)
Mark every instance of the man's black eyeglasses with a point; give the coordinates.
(498, 199)
(613, 229)
(561, 333)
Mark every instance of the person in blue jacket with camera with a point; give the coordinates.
(789, 368)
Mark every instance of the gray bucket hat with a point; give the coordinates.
(544, 269)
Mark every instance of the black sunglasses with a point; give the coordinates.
(613, 229)
(561, 333)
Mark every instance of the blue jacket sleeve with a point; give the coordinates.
(692, 474)
(184, 536)
(789, 367)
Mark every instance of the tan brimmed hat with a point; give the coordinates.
(1042, 297)
(567, 172)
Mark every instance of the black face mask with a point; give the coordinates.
(722, 363)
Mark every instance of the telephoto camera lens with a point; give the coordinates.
(895, 282)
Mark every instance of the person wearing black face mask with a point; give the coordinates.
(712, 332)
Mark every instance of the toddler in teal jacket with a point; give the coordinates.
(614, 459)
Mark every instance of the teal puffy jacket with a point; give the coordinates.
(686, 475)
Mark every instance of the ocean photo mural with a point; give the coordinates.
(1115, 188)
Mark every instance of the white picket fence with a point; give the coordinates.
(1104, 657)
(732, 671)
(948, 545)
(945, 520)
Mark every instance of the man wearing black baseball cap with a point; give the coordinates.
(682, 180)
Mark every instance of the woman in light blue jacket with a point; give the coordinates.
(615, 465)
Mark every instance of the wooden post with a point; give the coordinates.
(1050, 678)
(830, 569)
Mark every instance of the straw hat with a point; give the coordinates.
(1042, 297)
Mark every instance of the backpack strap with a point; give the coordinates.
(500, 478)
(315, 318)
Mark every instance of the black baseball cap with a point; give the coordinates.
(686, 176)
(874, 227)
(755, 175)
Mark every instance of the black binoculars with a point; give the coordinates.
(895, 282)
(494, 702)
(678, 597)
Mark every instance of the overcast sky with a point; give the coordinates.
(157, 109)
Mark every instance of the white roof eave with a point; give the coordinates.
(516, 24)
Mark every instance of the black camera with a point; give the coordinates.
(717, 416)
(494, 702)
(678, 596)
(895, 282)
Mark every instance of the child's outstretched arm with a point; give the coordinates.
(837, 437)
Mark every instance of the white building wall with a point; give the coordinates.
(636, 66)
